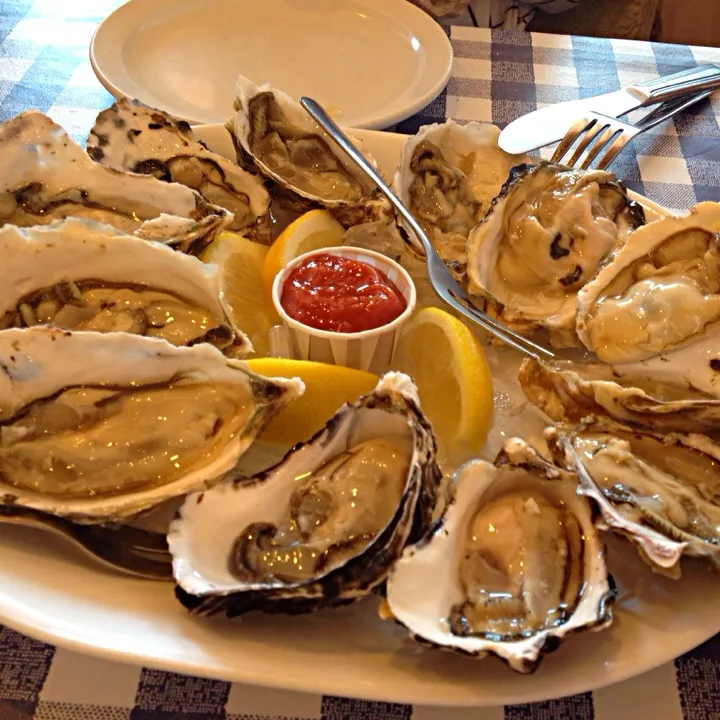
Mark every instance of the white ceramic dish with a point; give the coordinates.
(372, 62)
(52, 593)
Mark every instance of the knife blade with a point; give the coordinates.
(549, 124)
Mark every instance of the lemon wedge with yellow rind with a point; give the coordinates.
(327, 387)
(313, 230)
(241, 262)
(449, 367)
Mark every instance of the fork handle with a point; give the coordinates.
(679, 83)
(668, 109)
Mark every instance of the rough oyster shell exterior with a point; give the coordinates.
(256, 108)
(38, 364)
(660, 291)
(37, 258)
(424, 583)
(546, 234)
(674, 392)
(202, 536)
(644, 491)
(47, 177)
(132, 136)
(458, 170)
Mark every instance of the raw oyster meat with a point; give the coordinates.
(99, 427)
(677, 391)
(661, 290)
(132, 136)
(273, 132)
(546, 235)
(661, 491)
(47, 177)
(513, 566)
(82, 275)
(323, 526)
(447, 177)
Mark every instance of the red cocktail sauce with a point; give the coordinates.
(329, 292)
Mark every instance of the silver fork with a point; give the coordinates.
(597, 132)
(440, 278)
(133, 551)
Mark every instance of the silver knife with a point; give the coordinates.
(549, 124)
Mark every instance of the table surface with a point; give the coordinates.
(496, 77)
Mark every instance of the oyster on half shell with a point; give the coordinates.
(546, 235)
(81, 275)
(132, 136)
(322, 527)
(47, 177)
(275, 134)
(675, 391)
(99, 427)
(661, 290)
(447, 177)
(661, 491)
(512, 567)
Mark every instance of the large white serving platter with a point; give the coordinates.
(372, 62)
(52, 593)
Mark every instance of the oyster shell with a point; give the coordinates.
(132, 136)
(545, 236)
(47, 177)
(81, 275)
(323, 526)
(99, 427)
(661, 290)
(677, 391)
(513, 566)
(287, 146)
(447, 177)
(661, 491)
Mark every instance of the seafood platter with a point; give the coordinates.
(127, 383)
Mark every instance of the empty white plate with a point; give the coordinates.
(370, 62)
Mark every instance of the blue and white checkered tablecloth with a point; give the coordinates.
(496, 77)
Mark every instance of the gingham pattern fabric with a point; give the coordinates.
(496, 77)
(39, 682)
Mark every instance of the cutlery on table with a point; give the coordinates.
(438, 274)
(549, 124)
(597, 131)
(133, 551)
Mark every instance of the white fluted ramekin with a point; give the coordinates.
(370, 350)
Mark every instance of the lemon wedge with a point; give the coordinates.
(241, 262)
(449, 367)
(327, 387)
(313, 230)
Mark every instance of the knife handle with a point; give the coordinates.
(668, 109)
(678, 84)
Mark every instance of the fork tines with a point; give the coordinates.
(595, 132)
